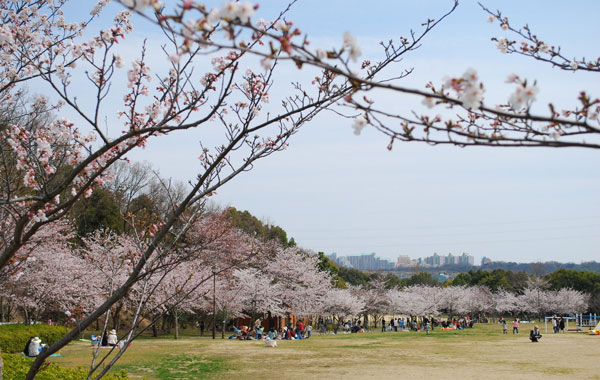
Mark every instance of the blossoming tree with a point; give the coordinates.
(52, 278)
(49, 165)
(341, 303)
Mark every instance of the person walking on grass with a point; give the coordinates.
(515, 326)
(504, 327)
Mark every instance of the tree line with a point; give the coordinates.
(587, 282)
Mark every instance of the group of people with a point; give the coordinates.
(350, 326)
(424, 323)
(287, 333)
(394, 324)
(515, 325)
(534, 334)
(34, 346)
(245, 333)
(458, 324)
(558, 325)
(502, 321)
(108, 339)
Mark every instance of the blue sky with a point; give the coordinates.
(336, 192)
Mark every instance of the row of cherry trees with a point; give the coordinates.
(253, 278)
(422, 300)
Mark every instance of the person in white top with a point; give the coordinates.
(34, 347)
(112, 338)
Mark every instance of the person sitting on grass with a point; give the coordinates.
(104, 340)
(34, 347)
(534, 335)
(236, 333)
(26, 350)
(112, 338)
(243, 335)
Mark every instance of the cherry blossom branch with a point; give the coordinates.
(533, 47)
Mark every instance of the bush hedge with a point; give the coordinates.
(13, 338)
(17, 365)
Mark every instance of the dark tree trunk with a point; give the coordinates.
(8, 312)
(175, 320)
(26, 316)
(163, 327)
(117, 316)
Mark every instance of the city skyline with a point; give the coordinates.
(370, 261)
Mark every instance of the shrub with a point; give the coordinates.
(13, 338)
(17, 365)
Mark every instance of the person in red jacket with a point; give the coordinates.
(300, 330)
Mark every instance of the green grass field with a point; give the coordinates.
(478, 353)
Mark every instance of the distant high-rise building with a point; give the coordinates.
(363, 262)
(450, 259)
(372, 262)
(465, 259)
(437, 261)
(403, 261)
(341, 261)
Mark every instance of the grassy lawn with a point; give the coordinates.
(478, 353)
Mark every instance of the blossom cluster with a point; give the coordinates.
(142, 5)
(468, 88)
(354, 50)
(39, 151)
(524, 94)
(230, 11)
